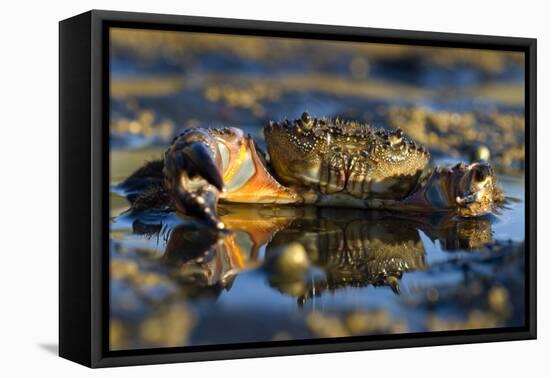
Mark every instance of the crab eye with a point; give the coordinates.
(399, 133)
(305, 121)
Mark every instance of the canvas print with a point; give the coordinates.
(268, 189)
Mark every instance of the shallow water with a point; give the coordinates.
(448, 271)
(300, 273)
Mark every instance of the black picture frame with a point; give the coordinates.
(84, 172)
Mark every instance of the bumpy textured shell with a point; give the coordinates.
(334, 156)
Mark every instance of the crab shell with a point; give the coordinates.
(345, 158)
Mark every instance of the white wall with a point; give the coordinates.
(28, 185)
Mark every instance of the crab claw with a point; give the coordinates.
(476, 190)
(192, 175)
(198, 159)
(470, 190)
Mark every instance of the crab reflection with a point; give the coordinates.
(306, 252)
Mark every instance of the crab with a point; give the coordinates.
(309, 161)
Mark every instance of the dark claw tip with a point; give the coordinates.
(201, 162)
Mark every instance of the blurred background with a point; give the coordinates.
(443, 274)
